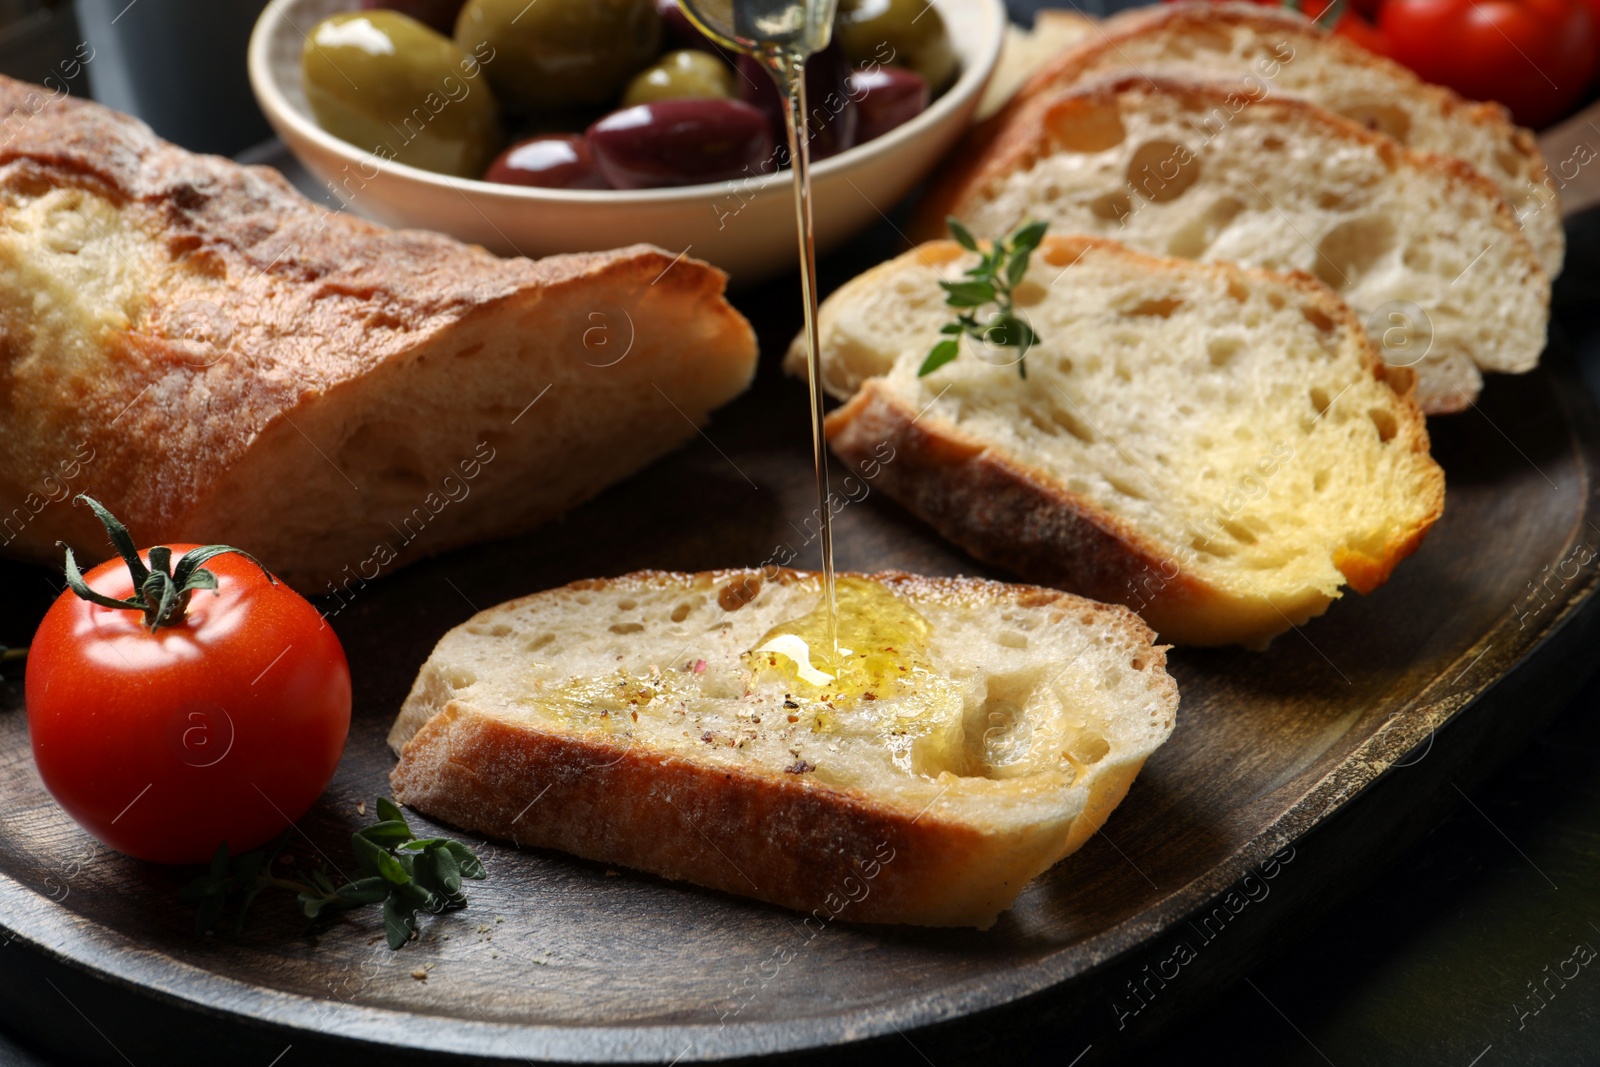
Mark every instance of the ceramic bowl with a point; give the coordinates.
(745, 226)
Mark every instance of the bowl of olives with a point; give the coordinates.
(534, 128)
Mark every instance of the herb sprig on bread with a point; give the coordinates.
(990, 281)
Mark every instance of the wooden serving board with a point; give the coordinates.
(1332, 750)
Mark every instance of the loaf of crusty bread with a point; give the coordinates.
(978, 733)
(1280, 52)
(1422, 247)
(1218, 448)
(217, 359)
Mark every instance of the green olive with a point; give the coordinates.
(682, 74)
(899, 33)
(560, 53)
(388, 84)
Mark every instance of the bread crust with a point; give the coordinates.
(313, 302)
(1073, 65)
(792, 843)
(1004, 513)
(832, 853)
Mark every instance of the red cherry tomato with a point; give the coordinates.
(1534, 56)
(223, 725)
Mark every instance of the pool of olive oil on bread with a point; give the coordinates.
(978, 731)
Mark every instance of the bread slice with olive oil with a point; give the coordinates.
(1219, 448)
(1423, 248)
(218, 359)
(976, 733)
(1281, 52)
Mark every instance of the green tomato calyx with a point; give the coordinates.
(161, 591)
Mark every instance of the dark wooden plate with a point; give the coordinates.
(1292, 775)
(559, 959)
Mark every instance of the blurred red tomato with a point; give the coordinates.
(1534, 56)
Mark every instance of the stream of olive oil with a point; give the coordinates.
(781, 34)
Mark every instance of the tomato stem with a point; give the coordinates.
(1330, 15)
(161, 591)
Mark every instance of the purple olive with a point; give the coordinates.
(681, 142)
(886, 97)
(437, 14)
(833, 118)
(552, 161)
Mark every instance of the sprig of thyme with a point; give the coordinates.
(404, 873)
(997, 274)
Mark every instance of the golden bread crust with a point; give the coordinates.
(297, 305)
(794, 843)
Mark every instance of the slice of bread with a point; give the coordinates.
(1218, 448)
(217, 359)
(1422, 247)
(985, 731)
(1280, 52)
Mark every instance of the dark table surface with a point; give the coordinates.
(1489, 928)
